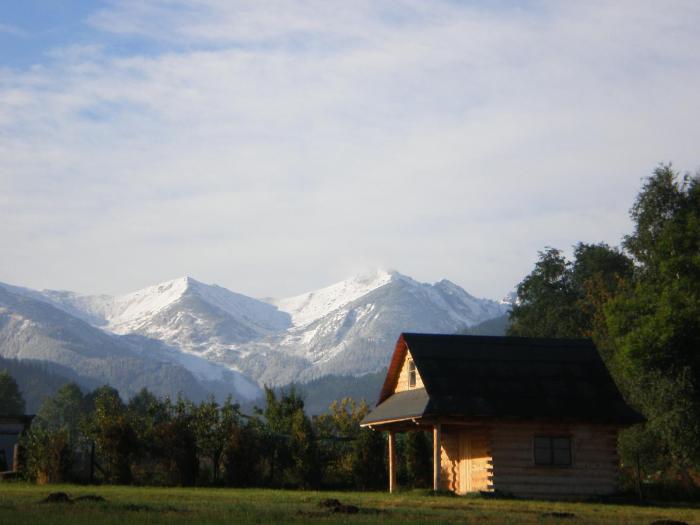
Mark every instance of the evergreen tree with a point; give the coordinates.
(11, 400)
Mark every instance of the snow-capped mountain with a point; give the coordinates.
(345, 328)
(32, 328)
(351, 327)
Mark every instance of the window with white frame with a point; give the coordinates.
(411, 374)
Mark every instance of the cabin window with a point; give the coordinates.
(411, 374)
(553, 451)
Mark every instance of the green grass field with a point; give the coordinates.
(21, 504)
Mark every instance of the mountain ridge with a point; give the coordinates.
(346, 328)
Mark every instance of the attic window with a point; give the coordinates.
(411, 374)
(552, 451)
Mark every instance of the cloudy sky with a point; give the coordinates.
(277, 146)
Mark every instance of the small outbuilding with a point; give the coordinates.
(527, 417)
(11, 429)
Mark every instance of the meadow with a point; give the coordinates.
(23, 504)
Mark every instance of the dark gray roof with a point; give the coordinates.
(402, 405)
(508, 378)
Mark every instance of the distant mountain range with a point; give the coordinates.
(186, 336)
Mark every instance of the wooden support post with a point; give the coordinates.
(437, 449)
(392, 462)
(15, 458)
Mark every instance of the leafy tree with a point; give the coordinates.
(112, 430)
(369, 460)
(338, 430)
(48, 455)
(653, 324)
(278, 416)
(559, 298)
(175, 443)
(417, 454)
(147, 411)
(304, 452)
(67, 411)
(244, 449)
(11, 400)
(213, 424)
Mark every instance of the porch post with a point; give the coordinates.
(437, 446)
(15, 457)
(392, 462)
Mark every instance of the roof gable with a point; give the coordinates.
(392, 374)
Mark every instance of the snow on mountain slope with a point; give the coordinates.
(183, 312)
(346, 328)
(32, 328)
(308, 307)
(133, 311)
(351, 327)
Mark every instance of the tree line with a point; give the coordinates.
(640, 303)
(98, 437)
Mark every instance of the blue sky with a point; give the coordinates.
(32, 28)
(274, 147)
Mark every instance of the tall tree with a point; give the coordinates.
(369, 460)
(66, 410)
(279, 414)
(11, 400)
(112, 429)
(653, 325)
(303, 451)
(213, 425)
(559, 297)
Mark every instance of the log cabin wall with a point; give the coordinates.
(466, 459)
(594, 462)
(402, 383)
(449, 459)
(477, 460)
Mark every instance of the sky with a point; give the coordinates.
(276, 147)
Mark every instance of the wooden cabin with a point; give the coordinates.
(11, 429)
(526, 417)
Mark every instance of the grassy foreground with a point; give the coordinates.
(21, 504)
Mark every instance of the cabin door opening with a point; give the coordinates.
(465, 463)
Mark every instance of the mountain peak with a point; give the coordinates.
(308, 307)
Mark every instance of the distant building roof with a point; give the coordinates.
(502, 377)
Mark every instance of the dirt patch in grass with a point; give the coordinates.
(561, 515)
(57, 497)
(335, 506)
(62, 497)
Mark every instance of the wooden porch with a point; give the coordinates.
(461, 458)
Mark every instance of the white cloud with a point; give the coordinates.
(275, 147)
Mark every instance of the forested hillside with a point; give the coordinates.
(319, 392)
(38, 380)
